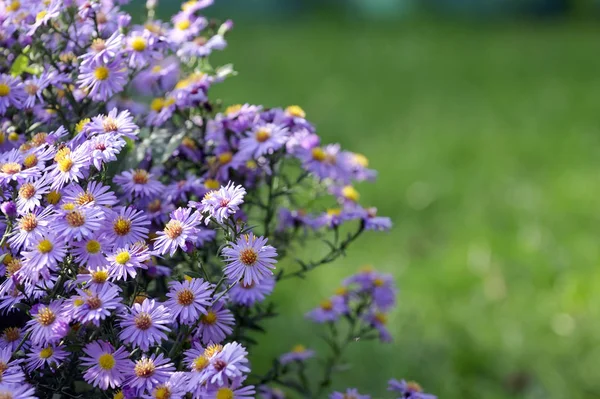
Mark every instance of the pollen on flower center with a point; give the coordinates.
(212, 350)
(184, 24)
(138, 44)
(210, 318)
(101, 73)
(92, 247)
(296, 111)
(413, 386)
(75, 219)
(185, 297)
(11, 168)
(326, 305)
(110, 125)
(45, 246)
(298, 349)
(12, 267)
(4, 90)
(143, 321)
(84, 198)
(380, 317)
(94, 302)
(99, 276)
(157, 104)
(53, 197)
(225, 158)
(3, 368)
(30, 160)
(200, 363)
(232, 109)
(106, 361)
(65, 164)
(318, 154)
(173, 229)
(46, 352)
(248, 256)
(162, 393)
(11, 334)
(46, 317)
(144, 368)
(140, 176)
(98, 45)
(262, 135)
(122, 226)
(224, 393)
(27, 191)
(122, 257)
(378, 282)
(28, 222)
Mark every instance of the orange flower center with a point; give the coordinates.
(248, 256)
(143, 321)
(185, 297)
(173, 229)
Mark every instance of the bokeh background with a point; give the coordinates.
(483, 120)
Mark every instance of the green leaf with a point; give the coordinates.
(19, 66)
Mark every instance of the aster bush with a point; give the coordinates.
(144, 222)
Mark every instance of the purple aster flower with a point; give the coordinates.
(222, 203)
(179, 230)
(34, 87)
(142, 48)
(69, 166)
(11, 338)
(185, 27)
(10, 372)
(104, 148)
(201, 47)
(94, 194)
(161, 110)
(103, 79)
(48, 324)
(12, 93)
(188, 299)
(161, 77)
(232, 390)
(47, 13)
(94, 276)
(323, 162)
(21, 391)
(106, 367)
(174, 388)
(103, 50)
(298, 354)
(127, 226)
(30, 195)
(249, 258)
(216, 324)
(115, 123)
(329, 310)
(408, 390)
(197, 360)
(139, 183)
(125, 261)
(350, 393)
(45, 356)
(44, 254)
(229, 363)
(378, 320)
(145, 324)
(78, 223)
(95, 304)
(149, 372)
(13, 169)
(249, 294)
(90, 251)
(264, 139)
(384, 291)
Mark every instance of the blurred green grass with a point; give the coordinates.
(487, 142)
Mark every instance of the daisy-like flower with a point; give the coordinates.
(329, 310)
(115, 123)
(48, 324)
(90, 251)
(249, 259)
(127, 226)
(94, 277)
(43, 256)
(12, 93)
(78, 223)
(103, 50)
(408, 390)
(142, 48)
(145, 324)
(103, 79)
(264, 139)
(10, 372)
(323, 162)
(30, 195)
(197, 360)
(180, 229)
(21, 391)
(104, 148)
(94, 194)
(378, 320)
(31, 226)
(47, 13)
(222, 203)
(216, 324)
(299, 353)
(69, 166)
(34, 87)
(249, 294)
(13, 169)
(174, 388)
(149, 372)
(10, 338)
(229, 363)
(106, 367)
(139, 183)
(125, 261)
(95, 304)
(231, 391)
(45, 356)
(188, 299)
(350, 393)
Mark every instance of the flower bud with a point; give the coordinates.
(9, 209)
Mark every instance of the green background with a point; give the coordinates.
(486, 137)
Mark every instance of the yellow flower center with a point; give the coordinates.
(14, 6)
(185, 297)
(138, 43)
(378, 282)
(262, 135)
(296, 111)
(248, 256)
(100, 276)
(156, 69)
(225, 158)
(45, 246)
(46, 352)
(210, 318)
(101, 73)
(78, 302)
(92, 247)
(30, 160)
(27, 191)
(184, 24)
(41, 15)
(65, 164)
(110, 125)
(211, 184)
(119, 395)
(318, 154)
(122, 257)
(84, 198)
(162, 393)
(53, 197)
(144, 368)
(13, 136)
(212, 350)
(11, 168)
(224, 393)
(173, 229)
(157, 104)
(361, 160)
(380, 317)
(140, 176)
(122, 226)
(298, 349)
(75, 219)
(46, 317)
(81, 125)
(143, 321)
(200, 363)
(232, 109)
(334, 212)
(28, 222)
(106, 361)
(413, 386)
(326, 305)
(350, 193)
(341, 291)
(69, 206)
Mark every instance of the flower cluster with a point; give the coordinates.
(143, 222)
